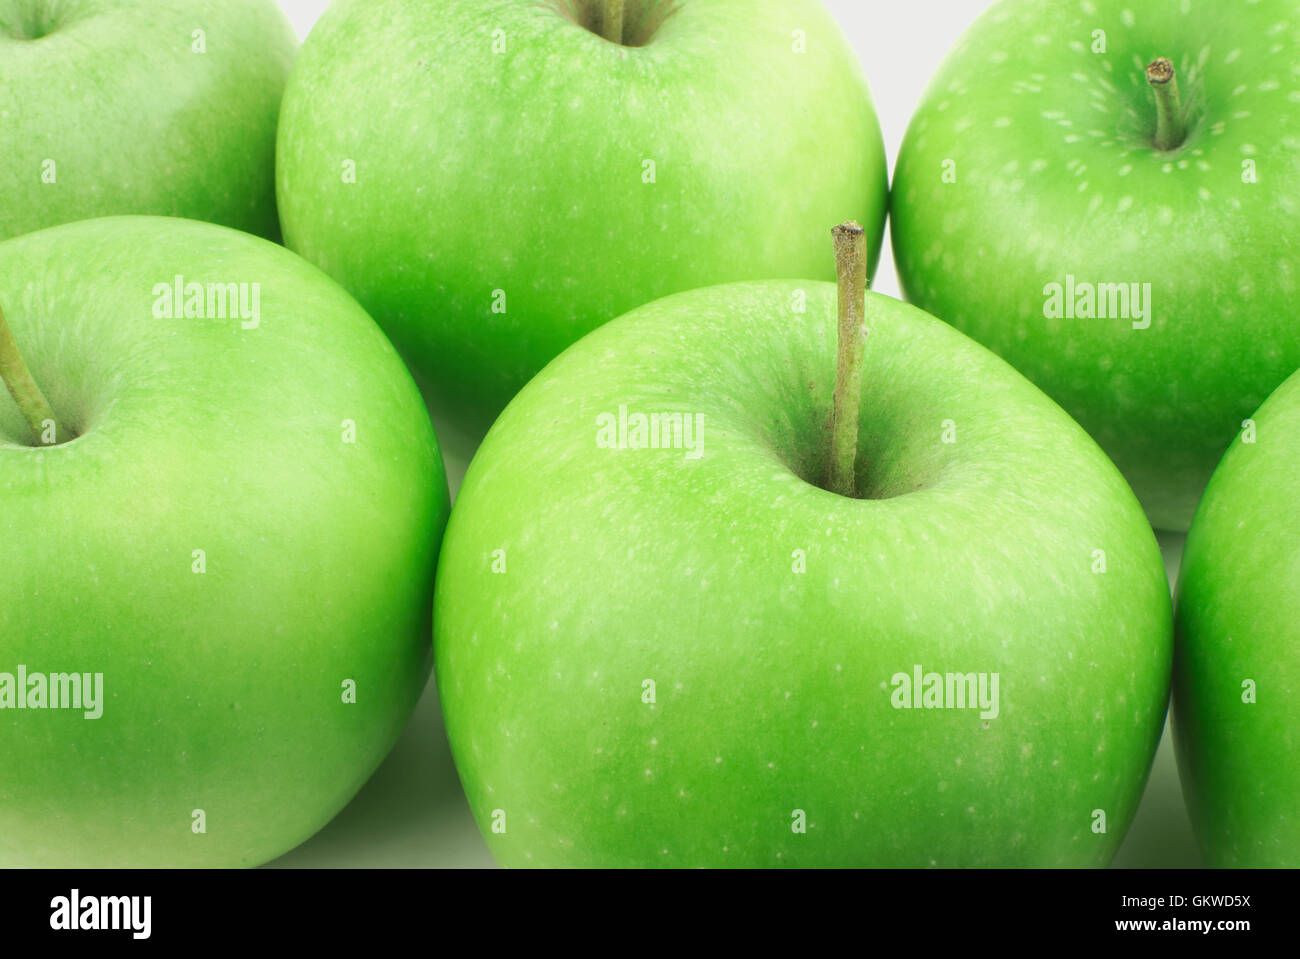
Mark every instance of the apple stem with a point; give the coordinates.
(613, 22)
(1171, 124)
(851, 265)
(31, 401)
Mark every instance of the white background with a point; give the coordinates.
(412, 812)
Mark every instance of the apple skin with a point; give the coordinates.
(522, 172)
(135, 121)
(1057, 176)
(623, 566)
(1238, 620)
(223, 690)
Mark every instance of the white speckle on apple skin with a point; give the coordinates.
(1217, 185)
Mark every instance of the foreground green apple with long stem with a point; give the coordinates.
(1106, 194)
(220, 507)
(1237, 672)
(672, 629)
(556, 163)
(163, 107)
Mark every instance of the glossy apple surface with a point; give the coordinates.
(1237, 673)
(163, 107)
(540, 180)
(1032, 160)
(652, 657)
(243, 530)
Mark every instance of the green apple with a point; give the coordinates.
(217, 577)
(661, 639)
(1237, 668)
(1128, 174)
(163, 107)
(540, 180)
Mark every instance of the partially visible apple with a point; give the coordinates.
(1237, 668)
(1125, 240)
(661, 639)
(234, 529)
(164, 107)
(539, 179)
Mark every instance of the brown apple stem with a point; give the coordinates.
(613, 21)
(851, 265)
(1171, 124)
(31, 401)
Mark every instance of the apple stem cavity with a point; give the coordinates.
(612, 24)
(1171, 123)
(851, 266)
(31, 401)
